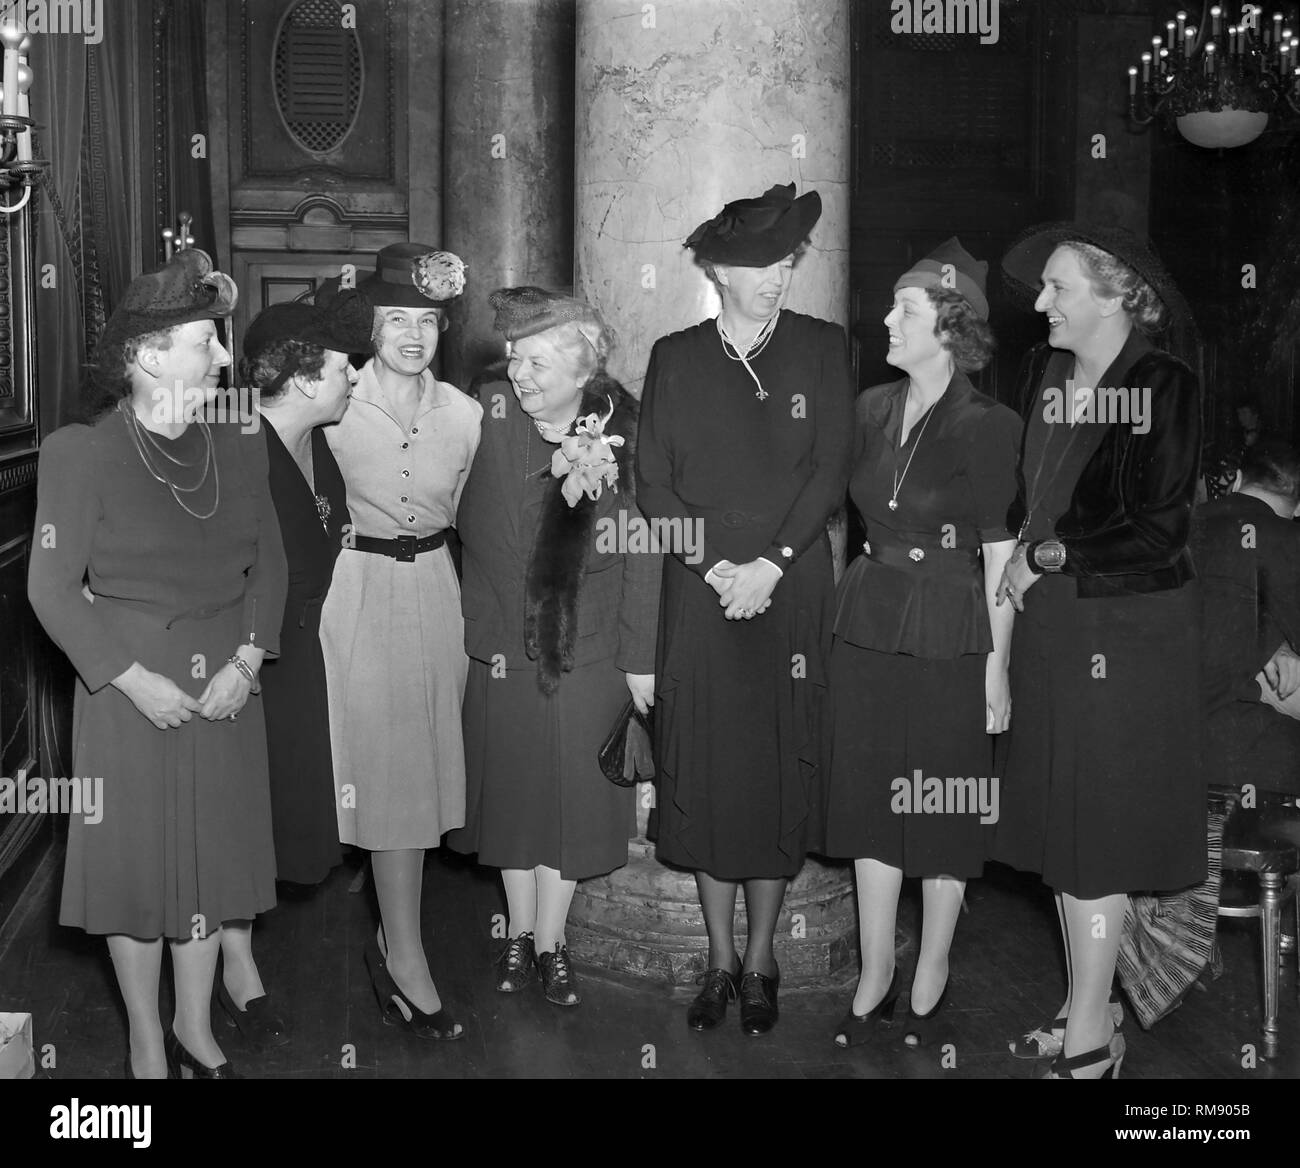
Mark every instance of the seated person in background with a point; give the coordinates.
(1247, 554)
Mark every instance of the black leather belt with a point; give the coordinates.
(404, 548)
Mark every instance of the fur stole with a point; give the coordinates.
(558, 562)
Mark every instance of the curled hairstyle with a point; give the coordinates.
(969, 338)
(306, 357)
(1111, 277)
(109, 374)
(1272, 466)
(586, 345)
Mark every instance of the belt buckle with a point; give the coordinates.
(405, 549)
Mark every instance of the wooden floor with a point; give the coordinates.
(1005, 965)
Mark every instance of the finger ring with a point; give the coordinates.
(233, 717)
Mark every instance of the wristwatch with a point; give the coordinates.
(782, 555)
(1047, 554)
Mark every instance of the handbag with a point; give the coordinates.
(625, 756)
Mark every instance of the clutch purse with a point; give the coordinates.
(625, 756)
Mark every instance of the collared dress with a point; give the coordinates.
(293, 685)
(536, 794)
(738, 731)
(391, 631)
(912, 634)
(184, 838)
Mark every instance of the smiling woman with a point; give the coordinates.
(391, 628)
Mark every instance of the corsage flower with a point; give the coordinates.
(585, 460)
(440, 275)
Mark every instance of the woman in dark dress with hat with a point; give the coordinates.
(1101, 784)
(296, 356)
(746, 433)
(159, 571)
(559, 625)
(919, 665)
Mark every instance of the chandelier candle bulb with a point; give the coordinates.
(1277, 27)
(1181, 17)
(1216, 16)
(1146, 68)
(1132, 81)
(1209, 63)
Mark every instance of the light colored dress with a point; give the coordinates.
(391, 631)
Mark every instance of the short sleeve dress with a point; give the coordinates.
(912, 634)
(739, 703)
(391, 631)
(185, 833)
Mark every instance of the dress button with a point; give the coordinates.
(735, 519)
(410, 519)
(415, 429)
(406, 474)
(403, 498)
(916, 554)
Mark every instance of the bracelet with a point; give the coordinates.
(247, 670)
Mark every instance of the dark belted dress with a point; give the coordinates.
(293, 686)
(739, 703)
(912, 634)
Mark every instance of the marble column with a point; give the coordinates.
(682, 108)
(507, 160)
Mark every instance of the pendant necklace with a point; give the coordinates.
(756, 346)
(898, 479)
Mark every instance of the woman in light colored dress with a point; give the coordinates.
(391, 628)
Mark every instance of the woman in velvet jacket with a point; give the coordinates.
(560, 600)
(1101, 790)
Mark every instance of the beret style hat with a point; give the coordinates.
(753, 233)
(1029, 252)
(346, 325)
(527, 310)
(951, 266)
(184, 289)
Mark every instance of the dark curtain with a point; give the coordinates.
(121, 169)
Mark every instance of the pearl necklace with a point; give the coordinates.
(756, 346)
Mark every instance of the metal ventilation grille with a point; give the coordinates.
(317, 75)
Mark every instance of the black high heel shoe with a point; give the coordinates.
(183, 1065)
(397, 1008)
(921, 1027)
(758, 1010)
(857, 1029)
(518, 963)
(258, 1022)
(558, 982)
(1046, 1042)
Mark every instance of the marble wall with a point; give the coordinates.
(682, 107)
(507, 162)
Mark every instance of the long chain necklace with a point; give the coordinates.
(141, 439)
(898, 479)
(756, 346)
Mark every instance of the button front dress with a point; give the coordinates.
(912, 633)
(391, 631)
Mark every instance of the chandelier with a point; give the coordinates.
(17, 167)
(1218, 83)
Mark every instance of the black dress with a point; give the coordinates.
(1102, 788)
(293, 687)
(739, 703)
(534, 792)
(912, 635)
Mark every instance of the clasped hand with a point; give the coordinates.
(1283, 672)
(744, 590)
(167, 706)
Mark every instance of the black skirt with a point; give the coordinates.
(1102, 788)
(738, 724)
(910, 775)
